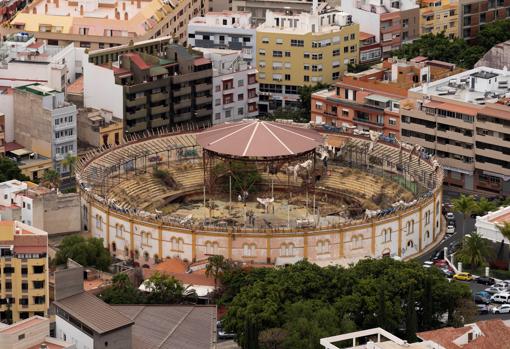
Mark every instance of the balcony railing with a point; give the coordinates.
(141, 113)
(136, 101)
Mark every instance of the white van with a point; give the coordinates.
(501, 298)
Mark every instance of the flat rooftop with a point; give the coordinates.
(479, 86)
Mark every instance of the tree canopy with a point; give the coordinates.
(311, 302)
(122, 291)
(458, 51)
(88, 252)
(10, 170)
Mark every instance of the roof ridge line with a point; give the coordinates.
(278, 139)
(251, 139)
(175, 327)
(230, 134)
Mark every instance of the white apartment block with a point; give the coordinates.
(23, 60)
(224, 30)
(235, 91)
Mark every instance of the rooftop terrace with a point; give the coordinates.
(478, 86)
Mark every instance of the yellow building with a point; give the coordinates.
(303, 50)
(437, 16)
(24, 278)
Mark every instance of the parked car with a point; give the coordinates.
(503, 284)
(438, 254)
(482, 309)
(501, 298)
(494, 290)
(222, 334)
(502, 309)
(485, 280)
(452, 222)
(441, 263)
(448, 272)
(450, 230)
(484, 294)
(450, 216)
(463, 276)
(481, 300)
(428, 264)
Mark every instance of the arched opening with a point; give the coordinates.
(114, 247)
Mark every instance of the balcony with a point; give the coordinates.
(156, 97)
(487, 166)
(454, 149)
(141, 126)
(203, 87)
(368, 122)
(182, 91)
(203, 112)
(160, 109)
(454, 163)
(203, 100)
(495, 154)
(136, 101)
(454, 135)
(183, 103)
(159, 122)
(139, 114)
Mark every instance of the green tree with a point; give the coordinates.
(10, 170)
(165, 289)
(216, 266)
(70, 162)
(474, 251)
(411, 316)
(272, 338)
(122, 291)
(307, 322)
(483, 206)
(465, 205)
(87, 252)
(305, 96)
(51, 178)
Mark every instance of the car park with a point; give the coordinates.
(485, 280)
(502, 284)
(494, 290)
(481, 300)
(450, 230)
(484, 294)
(502, 309)
(501, 298)
(463, 276)
(482, 309)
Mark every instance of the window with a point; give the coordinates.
(287, 77)
(336, 52)
(217, 101)
(262, 52)
(410, 227)
(306, 55)
(306, 67)
(22, 336)
(279, 41)
(306, 78)
(287, 250)
(249, 250)
(177, 244)
(323, 247)
(335, 75)
(217, 116)
(346, 49)
(240, 111)
(240, 97)
(357, 242)
(392, 121)
(217, 88)
(387, 234)
(277, 54)
(228, 113)
(287, 54)
(265, 40)
(240, 83)
(297, 43)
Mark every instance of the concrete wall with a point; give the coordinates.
(100, 90)
(119, 339)
(68, 282)
(58, 206)
(7, 108)
(66, 331)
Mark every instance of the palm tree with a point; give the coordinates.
(465, 205)
(474, 251)
(51, 178)
(504, 229)
(216, 266)
(483, 206)
(70, 161)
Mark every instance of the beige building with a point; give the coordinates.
(24, 280)
(464, 121)
(102, 23)
(99, 128)
(31, 333)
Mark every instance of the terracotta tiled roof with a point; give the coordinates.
(496, 335)
(177, 268)
(445, 336)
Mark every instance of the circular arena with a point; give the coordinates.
(261, 192)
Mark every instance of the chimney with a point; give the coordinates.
(81, 10)
(123, 6)
(138, 3)
(126, 16)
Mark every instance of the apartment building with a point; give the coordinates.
(463, 120)
(439, 16)
(220, 5)
(391, 22)
(224, 30)
(258, 8)
(371, 100)
(235, 87)
(303, 50)
(2, 134)
(104, 23)
(45, 123)
(40, 207)
(152, 85)
(370, 50)
(475, 13)
(31, 333)
(98, 128)
(24, 279)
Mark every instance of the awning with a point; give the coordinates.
(21, 152)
